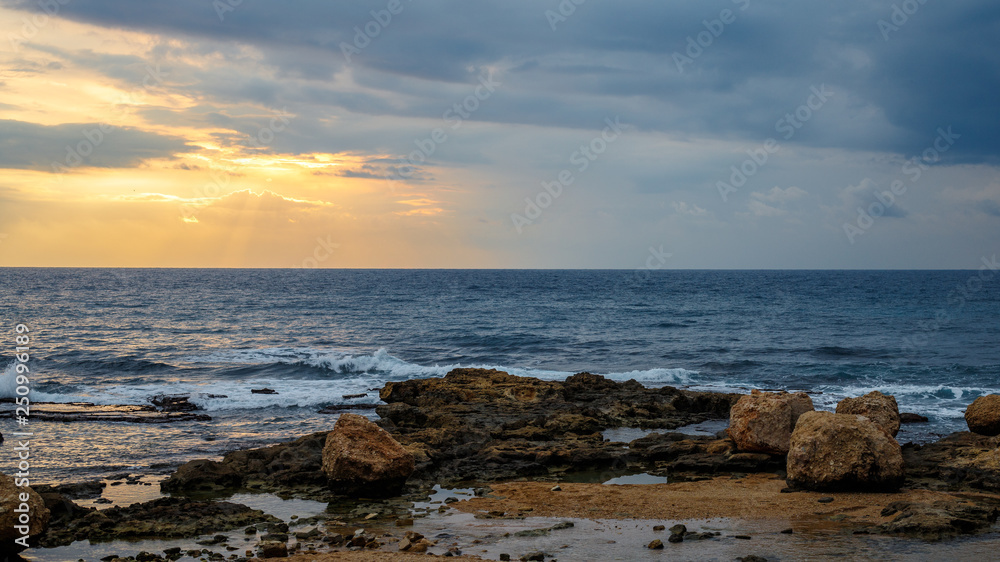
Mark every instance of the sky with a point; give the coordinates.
(500, 133)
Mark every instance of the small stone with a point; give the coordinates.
(450, 499)
(752, 558)
(787, 531)
(655, 545)
(678, 530)
(658, 527)
(675, 538)
(556, 489)
(826, 499)
(404, 522)
(504, 556)
(743, 537)
(371, 516)
(534, 556)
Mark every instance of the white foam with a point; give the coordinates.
(8, 382)
(349, 373)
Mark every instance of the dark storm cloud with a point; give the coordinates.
(896, 82)
(60, 147)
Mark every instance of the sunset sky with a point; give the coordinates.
(399, 133)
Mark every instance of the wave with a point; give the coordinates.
(343, 373)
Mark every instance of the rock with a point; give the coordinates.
(361, 458)
(763, 422)
(173, 403)
(279, 467)
(163, 518)
(77, 490)
(536, 556)
(272, 550)
(655, 545)
(752, 558)
(909, 417)
(202, 475)
(938, 520)
(658, 527)
(842, 452)
(12, 497)
(487, 425)
(263, 391)
(556, 489)
(881, 409)
(826, 499)
(983, 415)
(87, 412)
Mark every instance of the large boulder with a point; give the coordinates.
(983, 415)
(880, 408)
(843, 452)
(362, 459)
(762, 422)
(12, 498)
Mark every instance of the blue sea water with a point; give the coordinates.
(122, 336)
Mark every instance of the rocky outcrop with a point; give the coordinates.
(841, 452)
(880, 408)
(486, 425)
(944, 519)
(961, 461)
(163, 518)
(762, 422)
(361, 458)
(479, 424)
(294, 464)
(21, 509)
(983, 415)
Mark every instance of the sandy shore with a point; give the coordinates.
(364, 557)
(754, 497)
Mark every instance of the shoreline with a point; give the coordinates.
(490, 447)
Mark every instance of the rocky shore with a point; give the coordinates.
(527, 450)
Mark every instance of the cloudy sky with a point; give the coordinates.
(502, 133)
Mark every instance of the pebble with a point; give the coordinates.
(655, 545)
(658, 527)
(556, 489)
(826, 499)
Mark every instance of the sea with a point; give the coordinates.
(314, 336)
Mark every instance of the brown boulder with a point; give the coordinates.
(983, 415)
(843, 452)
(762, 422)
(880, 408)
(37, 516)
(361, 458)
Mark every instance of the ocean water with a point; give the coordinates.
(122, 336)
